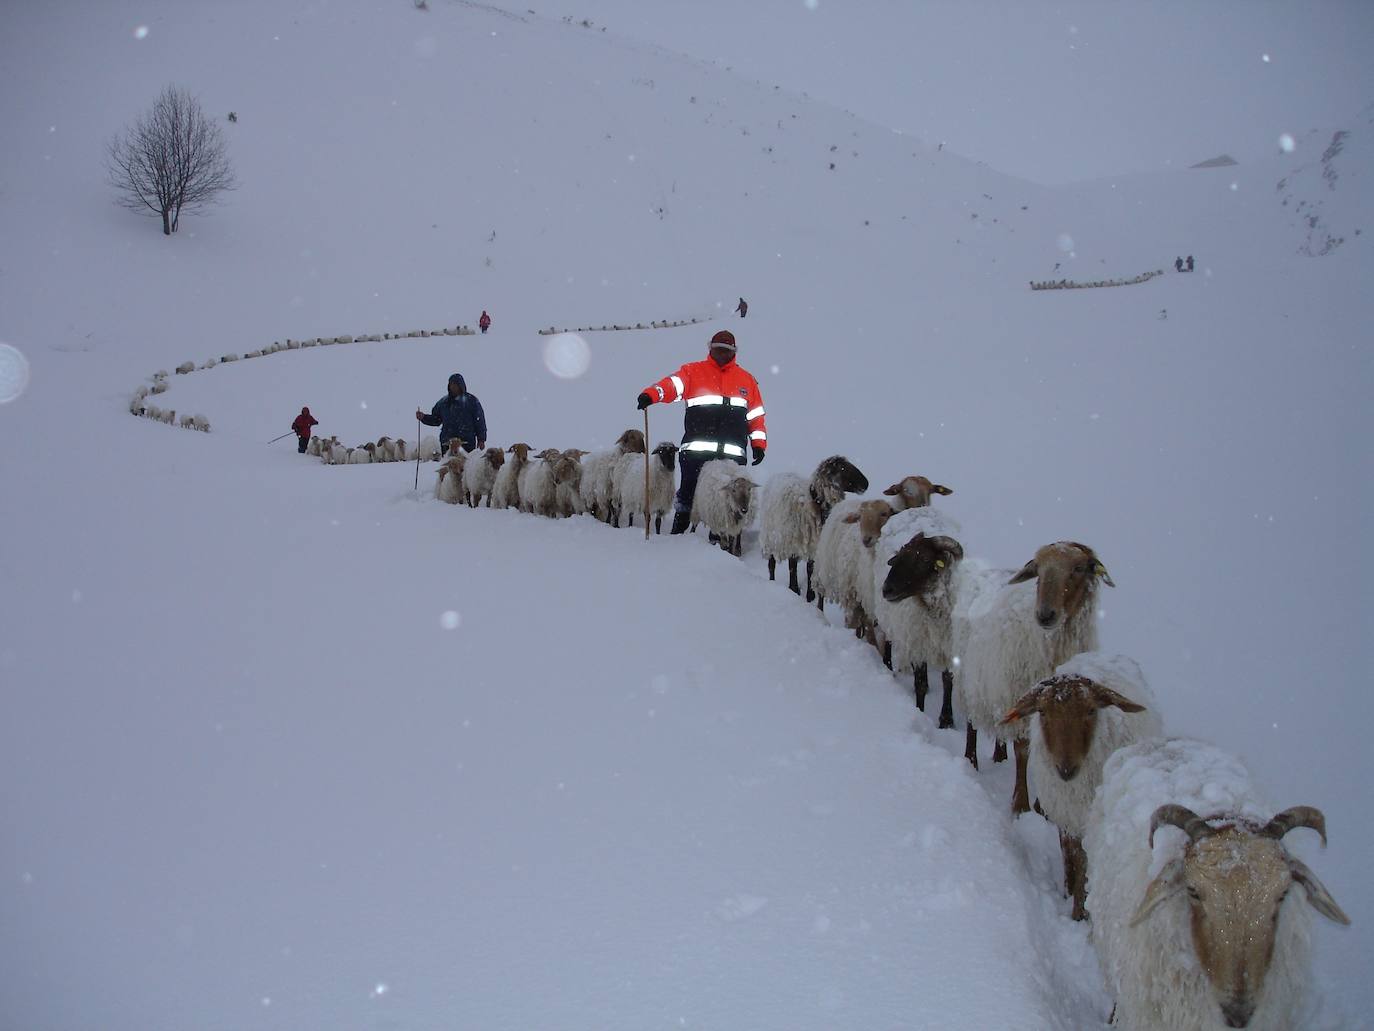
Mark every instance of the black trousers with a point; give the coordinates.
(301, 444)
(691, 463)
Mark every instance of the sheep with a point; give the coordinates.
(210, 363)
(916, 581)
(363, 454)
(1094, 705)
(505, 491)
(844, 560)
(385, 451)
(199, 422)
(186, 422)
(629, 485)
(1199, 928)
(598, 475)
(228, 358)
(169, 416)
(913, 492)
(479, 474)
(153, 412)
(335, 452)
(449, 487)
(567, 481)
(537, 491)
(159, 387)
(794, 509)
(137, 403)
(186, 367)
(399, 447)
(313, 448)
(725, 500)
(1019, 636)
(428, 448)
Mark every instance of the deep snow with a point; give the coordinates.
(251, 778)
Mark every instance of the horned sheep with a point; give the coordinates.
(479, 475)
(1018, 635)
(1094, 705)
(725, 501)
(1191, 889)
(794, 509)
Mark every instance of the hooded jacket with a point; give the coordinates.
(303, 423)
(724, 408)
(459, 416)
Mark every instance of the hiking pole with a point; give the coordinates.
(286, 434)
(646, 474)
(417, 456)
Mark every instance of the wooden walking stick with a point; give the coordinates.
(417, 456)
(646, 474)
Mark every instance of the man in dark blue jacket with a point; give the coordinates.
(459, 416)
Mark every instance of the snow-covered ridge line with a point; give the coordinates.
(1069, 284)
(664, 324)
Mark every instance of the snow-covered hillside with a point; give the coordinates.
(292, 746)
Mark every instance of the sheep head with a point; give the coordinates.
(667, 454)
(918, 566)
(495, 457)
(836, 477)
(914, 492)
(575, 453)
(521, 452)
(1068, 707)
(1067, 574)
(567, 470)
(871, 516)
(1236, 877)
(631, 442)
(739, 496)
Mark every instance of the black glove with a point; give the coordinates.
(758, 455)
(644, 402)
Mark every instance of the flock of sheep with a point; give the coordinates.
(1167, 847)
(1069, 284)
(662, 324)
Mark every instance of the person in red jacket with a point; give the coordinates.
(724, 416)
(484, 321)
(302, 427)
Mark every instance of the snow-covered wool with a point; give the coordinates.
(137, 403)
(159, 387)
(185, 422)
(334, 453)
(313, 448)
(913, 492)
(169, 416)
(429, 447)
(1019, 635)
(629, 484)
(505, 491)
(537, 492)
(592, 489)
(186, 367)
(844, 560)
(567, 483)
(199, 422)
(449, 487)
(916, 563)
(399, 447)
(1095, 704)
(479, 474)
(1189, 889)
(385, 451)
(725, 501)
(793, 510)
(363, 454)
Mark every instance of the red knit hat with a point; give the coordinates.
(724, 339)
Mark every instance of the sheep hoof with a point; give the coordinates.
(999, 751)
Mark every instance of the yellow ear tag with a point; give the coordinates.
(939, 563)
(1099, 570)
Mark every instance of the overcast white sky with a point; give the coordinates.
(1119, 87)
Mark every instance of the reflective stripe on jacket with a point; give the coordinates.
(724, 407)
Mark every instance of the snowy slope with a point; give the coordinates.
(249, 761)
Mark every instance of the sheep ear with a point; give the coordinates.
(1026, 705)
(1028, 572)
(1100, 571)
(937, 488)
(853, 517)
(1317, 896)
(895, 489)
(1164, 887)
(1105, 697)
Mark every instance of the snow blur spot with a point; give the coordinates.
(775, 369)
(450, 620)
(141, 32)
(740, 907)
(380, 989)
(567, 355)
(14, 373)
(1287, 143)
(660, 684)
(1235, 186)
(1073, 30)
(811, 5)
(1064, 242)
(956, 660)
(77, 595)
(266, 1000)
(362, 404)
(27, 877)
(1264, 58)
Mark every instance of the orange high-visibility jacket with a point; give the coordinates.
(724, 407)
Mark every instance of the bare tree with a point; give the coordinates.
(172, 158)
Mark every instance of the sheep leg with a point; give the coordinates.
(971, 746)
(810, 568)
(1075, 873)
(921, 685)
(658, 525)
(1020, 796)
(999, 751)
(887, 654)
(792, 584)
(947, 701)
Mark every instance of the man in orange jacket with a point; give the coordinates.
(724, 416)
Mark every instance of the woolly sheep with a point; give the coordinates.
(567, 482)
(916, 580)
(199, 422)
(428, 448)
(598, 475)
(479, 474)
(629, 485)
(335, 453)
(399, 447)
(725, 501)
(913, 492)
(794, 509)
(186, 422)
(186, 367)
(537, 492)
(362, 454)
(385, 451)
(1094, 705)
(844, 560)
(1190, 889)
(1021, 634)
(505, 490)
(159, 387)
(449, 487)
(313, 448)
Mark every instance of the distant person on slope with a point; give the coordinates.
(302, 425)
(1189, 263)
(1178, 264)
(724, 416)
(484, 322)
(459, 416)
(742, 307)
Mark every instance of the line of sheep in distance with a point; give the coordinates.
(1218, 933)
